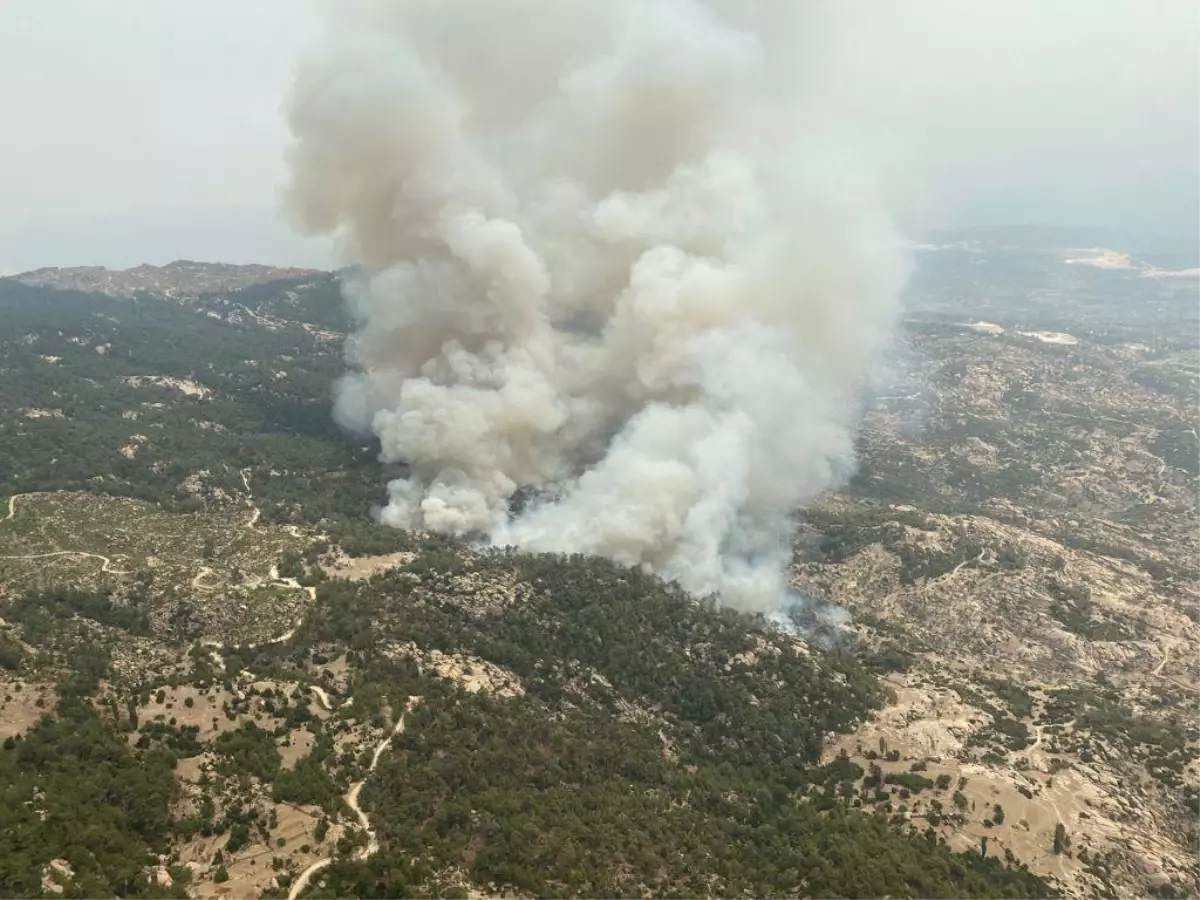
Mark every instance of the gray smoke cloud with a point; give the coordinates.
(607, 263)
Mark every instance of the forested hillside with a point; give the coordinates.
(210, 688)
(136, 397)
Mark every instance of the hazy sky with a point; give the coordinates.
(145, 130)
(148, 130)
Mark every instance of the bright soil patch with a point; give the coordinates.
(1051, 337)
(22, 703)
(931, 725)
(471, 673)
(361, 568)
(250, 871)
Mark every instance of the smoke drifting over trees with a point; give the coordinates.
(607, 262)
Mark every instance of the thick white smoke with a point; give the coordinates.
(608, 263)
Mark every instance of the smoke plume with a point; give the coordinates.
(608, 266)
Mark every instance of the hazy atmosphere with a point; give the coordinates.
(152, 131)
(599, 448)
(607, 274)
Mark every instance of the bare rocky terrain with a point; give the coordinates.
(1020, 544)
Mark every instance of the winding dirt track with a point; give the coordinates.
(107, 563)
(322, 696)
(199, 577)
(255, 512)
(1162, 662)
(352, 795)
(272, 577)
(372, 846)
(107, 567)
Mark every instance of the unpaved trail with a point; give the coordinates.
(12, 504)
(286, 636)
(196, 583)
(216, 647)
(957, 569)
(199, 577)
(255, 512)
(1162, 662)
(1040, 731)
(107, 567)
(301, 882)
(977, 559)
(372, 845)
(1057, 812)
(274, 576)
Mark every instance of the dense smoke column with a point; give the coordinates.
(607, 263)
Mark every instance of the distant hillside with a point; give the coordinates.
(182, 279)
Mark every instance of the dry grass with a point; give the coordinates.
(22, 702)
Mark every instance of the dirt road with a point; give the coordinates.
(372, 845)
(107, 567)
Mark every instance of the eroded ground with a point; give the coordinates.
(1019, 548)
